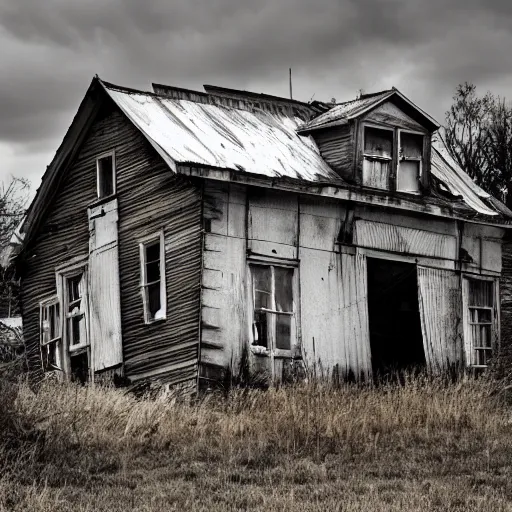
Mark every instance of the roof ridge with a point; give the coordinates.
(368, 96)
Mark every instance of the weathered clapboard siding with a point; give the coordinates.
(63, 234)
(150, 198)
(506, 299)
(336, 146)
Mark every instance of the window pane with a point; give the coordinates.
(283, 332)
(53, 313)
(376, 173)
(153, 272)
(76, 328)
(485, 336)
(481, 335)
(260, 330)
(74, 287)
(284, 288)
(50, 357)
(378, 142)
(262, 285)
(482, 357)
(481, 293)
(153, 252)
(153, 297)
(484, 315)
(411, 145)
(408, 176)
(105, 176)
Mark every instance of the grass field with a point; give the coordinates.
(422, 446)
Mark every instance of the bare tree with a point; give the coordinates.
(478, 133)
(14, 198)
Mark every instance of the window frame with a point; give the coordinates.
(70, 269)
(403, 159)
(394, 161)
(370, 157)
(471, 349)
(107, 154)
(382, 128)
(272, 350)
(67, 316)
(47, 304)
(143, 243)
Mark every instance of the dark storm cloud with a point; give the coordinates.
(52, 48)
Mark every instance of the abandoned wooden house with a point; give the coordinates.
(180, 236)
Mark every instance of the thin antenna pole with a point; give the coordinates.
(291, 96)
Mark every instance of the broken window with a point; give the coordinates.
(481, 320)
(409, 165)
(273, 306)
(77, 341)
(152, 256)
(50, 335)
(106, 175)
(377, 157)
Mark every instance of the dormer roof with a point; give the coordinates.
(342, 113)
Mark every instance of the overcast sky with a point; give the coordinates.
(51, 49)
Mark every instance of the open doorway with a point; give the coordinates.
(395, 327)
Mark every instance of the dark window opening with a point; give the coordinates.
(80, 367)
(153, 280)
(396, 339)
(106, 176)
(75, 313)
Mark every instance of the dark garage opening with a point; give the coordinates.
(395, 327)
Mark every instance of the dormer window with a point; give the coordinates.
(377, 157)
(409, 163)
(380, 166)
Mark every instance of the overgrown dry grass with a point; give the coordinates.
(425, 445)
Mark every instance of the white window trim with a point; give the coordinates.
(111, 153)
(495, 322)
(159, 236)
(376, 157)
(397, 149)
(51, 301)
(72, 268)
(399, 159)
(294, 339)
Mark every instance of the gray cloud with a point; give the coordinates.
(52, 48)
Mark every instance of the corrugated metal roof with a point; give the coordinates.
(445, 169)
(261, 141)
(258, 141)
